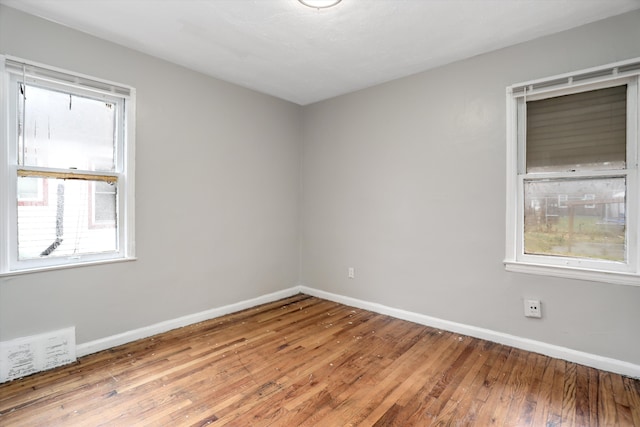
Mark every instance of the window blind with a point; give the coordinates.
(585, 130)
(59, 76)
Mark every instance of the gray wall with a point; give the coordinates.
(406, 182)
(217, 176)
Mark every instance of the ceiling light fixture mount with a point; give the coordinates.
(320, 4)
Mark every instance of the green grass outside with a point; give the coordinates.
(591, 239)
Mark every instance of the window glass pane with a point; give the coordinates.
(29, 189)
(64, 225)
(66, 131)
(583, 218)
(104, 203)
(582, 131)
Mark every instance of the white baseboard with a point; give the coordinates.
(587, 359)
(148, 331)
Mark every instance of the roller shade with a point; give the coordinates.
(581, 131)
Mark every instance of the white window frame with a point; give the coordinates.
(75, 83)
(620, 73)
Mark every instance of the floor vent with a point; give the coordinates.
(24, 356)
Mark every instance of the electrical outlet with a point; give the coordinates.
(351, 273)
(532, 308)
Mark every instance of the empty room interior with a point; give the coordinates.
(385, 212)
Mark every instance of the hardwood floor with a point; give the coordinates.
(303, 361)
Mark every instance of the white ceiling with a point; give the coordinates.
(303, 55)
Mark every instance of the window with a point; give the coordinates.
(66, 163)
(572, 175)
(589, 196)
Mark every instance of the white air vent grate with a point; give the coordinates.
(24, 356)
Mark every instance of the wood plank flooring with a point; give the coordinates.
(304, 361)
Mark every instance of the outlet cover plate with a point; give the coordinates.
(532, 308)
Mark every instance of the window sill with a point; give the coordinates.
(66, 266)
(617, 278)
